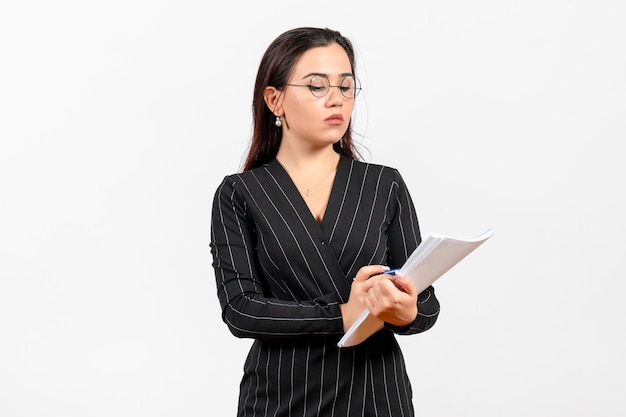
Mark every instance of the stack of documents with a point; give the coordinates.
(429, 261)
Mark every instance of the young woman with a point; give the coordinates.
(300, 240)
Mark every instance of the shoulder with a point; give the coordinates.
(238, 179)
(383, 172)
(247, 185)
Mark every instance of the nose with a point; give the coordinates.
(334, 97)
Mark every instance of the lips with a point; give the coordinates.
(335, 119)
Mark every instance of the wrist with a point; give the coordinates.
(347, 316)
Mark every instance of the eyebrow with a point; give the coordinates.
(319, 74)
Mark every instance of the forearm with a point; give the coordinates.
(251, 315)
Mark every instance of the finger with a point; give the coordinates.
(368, 271)
(383, 297)
(386, 293)
(404, 283)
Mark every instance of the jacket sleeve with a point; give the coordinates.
(247, 308)
(404, 236)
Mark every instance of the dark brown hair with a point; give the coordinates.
(274, 70)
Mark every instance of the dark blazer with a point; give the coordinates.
(281, 277)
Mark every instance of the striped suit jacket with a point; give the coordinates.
(281, 277)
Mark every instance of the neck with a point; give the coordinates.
(322, 160)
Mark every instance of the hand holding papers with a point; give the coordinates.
(429, 261)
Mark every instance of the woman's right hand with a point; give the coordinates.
(361, 285)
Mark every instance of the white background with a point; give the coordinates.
(118, 120)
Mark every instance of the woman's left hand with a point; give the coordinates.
(393, 299)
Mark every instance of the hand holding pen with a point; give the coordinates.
(385, 302)
(375, 287)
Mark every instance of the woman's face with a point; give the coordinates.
(318, 121)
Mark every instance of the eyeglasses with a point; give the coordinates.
(319, 86)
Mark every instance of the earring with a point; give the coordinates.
(278, 122)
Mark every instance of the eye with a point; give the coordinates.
(347, 82)
(318, 85)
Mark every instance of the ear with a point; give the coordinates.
(273, 99)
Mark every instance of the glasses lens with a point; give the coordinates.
(349, 86)
(319, 86)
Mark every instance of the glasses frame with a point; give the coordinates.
(356, 88)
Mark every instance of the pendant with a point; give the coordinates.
(308, 192)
